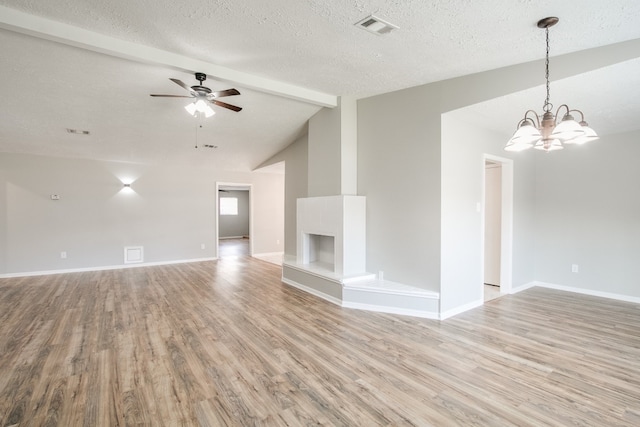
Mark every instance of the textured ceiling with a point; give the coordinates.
(313, 44)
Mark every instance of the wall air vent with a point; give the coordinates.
(375, 25)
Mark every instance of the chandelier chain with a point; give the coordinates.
(547, 105)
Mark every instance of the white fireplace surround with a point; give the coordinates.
(338, 221)
(330, 261)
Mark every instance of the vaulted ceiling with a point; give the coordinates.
(91, 65)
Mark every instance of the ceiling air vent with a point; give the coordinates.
(375, 25)
(78, 132)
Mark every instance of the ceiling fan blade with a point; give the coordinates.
(228, 92)
(183, 85)
(172, 96)
(225, 105)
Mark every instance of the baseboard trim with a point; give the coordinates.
(268, 254)
(365, 286)
(390, 310)
(590, 292)
(461, 309)
(312, 291)
(103, 268)
(522, 288)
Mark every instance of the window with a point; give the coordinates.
(228, 206)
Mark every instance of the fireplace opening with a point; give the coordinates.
(320, 251)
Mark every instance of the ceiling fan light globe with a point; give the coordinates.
(208, 111)
(191, 108)
(201, 105)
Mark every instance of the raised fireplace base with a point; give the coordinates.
(361, 291)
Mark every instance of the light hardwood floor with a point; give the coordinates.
(226, 343)
(228, 248)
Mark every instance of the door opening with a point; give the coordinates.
(234, 222)
(497, 226)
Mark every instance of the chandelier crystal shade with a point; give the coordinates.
(542, 132)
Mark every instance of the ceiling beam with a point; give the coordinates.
(20, 22)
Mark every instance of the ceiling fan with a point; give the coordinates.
(202, 96)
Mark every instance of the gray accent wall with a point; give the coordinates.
(235, 225)
(169, 210)
(4, 208)
(463, 148)
(588, 213)
(295, 158)
(325, 151)
(399, 173)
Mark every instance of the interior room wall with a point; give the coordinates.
(324, 162)
(169, 210)
(588, 214)
(399, 173)
(267, 194)
(463, 168)
(295, 158)
(235, 225)
(3, 221)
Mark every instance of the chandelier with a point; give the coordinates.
(543, 133)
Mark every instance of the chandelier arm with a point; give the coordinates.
(581, 114)
(536, 123)
(566, 107)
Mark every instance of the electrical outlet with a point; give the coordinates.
(277, 242)
(380, 275)
(202, 246)
(63, 255)
(574, 268)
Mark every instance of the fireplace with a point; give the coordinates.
(331, 234)
(320, 251)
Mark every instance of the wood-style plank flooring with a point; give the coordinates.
(228, 248)
(226, 343)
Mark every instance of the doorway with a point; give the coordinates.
(497, 226)
(234, 222)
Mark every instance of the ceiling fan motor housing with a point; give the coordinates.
(201, 89)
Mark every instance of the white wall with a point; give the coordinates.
(235, 225)
(170, 211)
(588, 213)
